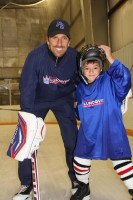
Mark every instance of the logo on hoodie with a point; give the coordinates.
(54, 80)
(90, 103)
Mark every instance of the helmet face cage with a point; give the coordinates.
(90, 52)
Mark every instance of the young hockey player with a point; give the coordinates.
(47, 83)
(101, 134)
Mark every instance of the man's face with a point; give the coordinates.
(58, 44)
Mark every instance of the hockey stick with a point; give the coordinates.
(35, 178)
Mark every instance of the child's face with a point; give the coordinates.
(91, 70)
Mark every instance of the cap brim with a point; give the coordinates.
(59, 32)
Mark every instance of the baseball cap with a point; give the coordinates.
(58, 26)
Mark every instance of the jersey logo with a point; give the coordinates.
(89, 103)
(54, 80)
(60, 25)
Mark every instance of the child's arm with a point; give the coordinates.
(120, 74)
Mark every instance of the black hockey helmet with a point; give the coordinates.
(90, 52)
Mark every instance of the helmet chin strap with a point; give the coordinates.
(83, 78)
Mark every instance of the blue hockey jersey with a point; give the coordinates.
(46, 79)
(102, 134)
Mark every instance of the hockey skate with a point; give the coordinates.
(131, 193)
(75, 186)
(82, 193)
(25, 193)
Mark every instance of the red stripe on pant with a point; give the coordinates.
(126, 171)
(80, 170)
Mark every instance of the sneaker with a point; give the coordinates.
(25, 193)
(82, 193)
(75, 185)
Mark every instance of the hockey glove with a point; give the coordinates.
(29, 133)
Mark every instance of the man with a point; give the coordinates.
(47, 83)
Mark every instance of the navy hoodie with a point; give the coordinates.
(44, 78)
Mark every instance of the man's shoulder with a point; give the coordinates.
(37, 51)
(72, 51)
(39, 48)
